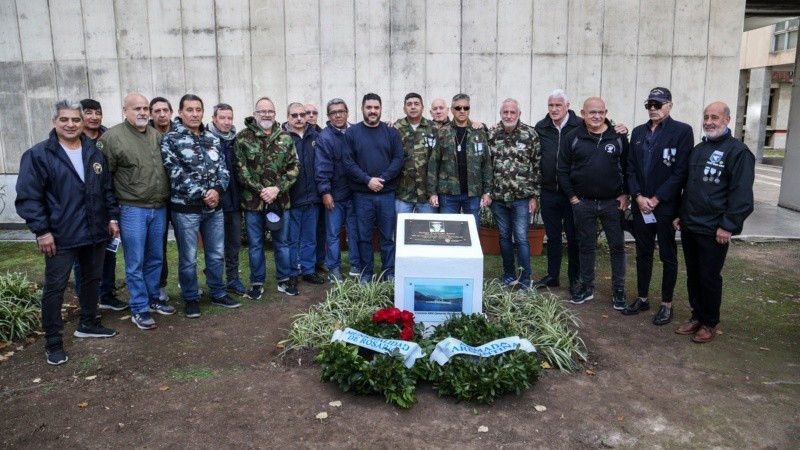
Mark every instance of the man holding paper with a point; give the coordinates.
(657, 164)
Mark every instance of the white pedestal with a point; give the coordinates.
(437, 279)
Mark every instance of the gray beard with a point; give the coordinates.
(266, 124)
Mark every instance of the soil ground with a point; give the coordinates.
(220, 381)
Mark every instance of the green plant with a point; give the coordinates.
(193, 373)
(19, 306)
(487, 218)
(483, 380)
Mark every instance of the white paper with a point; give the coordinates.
(649, 218)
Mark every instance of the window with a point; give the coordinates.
(785, 35)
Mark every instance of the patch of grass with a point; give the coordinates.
(193, 373)
(87, 363)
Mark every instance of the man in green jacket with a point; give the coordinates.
(460, 167)
(419, 137)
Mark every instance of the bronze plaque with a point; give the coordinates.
(437, 232)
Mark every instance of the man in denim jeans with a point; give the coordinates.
(141, 187)
(515, 155)
(198, 176)
(591, 172)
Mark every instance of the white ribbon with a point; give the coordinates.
(410, 351)
(450, 347)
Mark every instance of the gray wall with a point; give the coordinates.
(312, 50)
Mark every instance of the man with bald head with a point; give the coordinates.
(591, 172)
(133, 151)
(717, 198)
(439, 112)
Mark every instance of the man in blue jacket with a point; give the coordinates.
(333, 186)
(373, 164)
(656, 170)
(64, 194)
(717, 198)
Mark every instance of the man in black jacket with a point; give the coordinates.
(656, 170)
(717, 198)
(591, 172)
(64, 194)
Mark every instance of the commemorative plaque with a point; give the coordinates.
(437, 232)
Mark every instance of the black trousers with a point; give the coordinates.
(704, 260)
(56, 275)
(646, 235)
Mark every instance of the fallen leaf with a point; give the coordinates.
(483, 429)
(545, 365)
(2, 358)
(621, 418)
(590, 372)
(163, 388)
(322, 415)
(336, 403)
(540, 408)
(30, 340)
(125, 317)
(279, 345)
(8, 354)
(37, 380)
(604, 316)
(121, 424)
(763, 348)
(3, 345)
(91, 377)
(84, 404)
(20, 348)
(719, 332)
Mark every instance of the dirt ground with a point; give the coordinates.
(219, 382)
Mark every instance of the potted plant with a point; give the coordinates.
(488, 233)
(536, 233)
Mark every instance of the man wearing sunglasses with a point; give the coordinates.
(656, 170)
(460, 167)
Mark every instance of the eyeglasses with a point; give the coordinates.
(264, 112)
(296, 115)
(654, 105)
(338, 112)
(461, 108)
(311, 113)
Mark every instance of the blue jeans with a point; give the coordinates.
(512, 218)
(141, 232)
(586, 213)
(375, 210)
(321, 250)
(56, 276)
(342, 214)
(233, 243)
(454, 204)
(212, 226)
(401, 206)
(557, 217)
(302, 239)
(255, 223)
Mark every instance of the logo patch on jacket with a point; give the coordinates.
(98, 168)
(610, 149)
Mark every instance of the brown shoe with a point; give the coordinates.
(689, 327)
(705, 334)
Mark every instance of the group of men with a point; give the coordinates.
(86, 185)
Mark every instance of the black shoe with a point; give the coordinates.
(635, 307)
(255, 292)
(618, 300)
(546, 281)
(663, 316)
(287, 287)
(112, 303)
(322, 268)
(226, 302)
(95, 330)
(193, 309)
(313, 278)
(574, 286)
(582, 295)
(55, 354)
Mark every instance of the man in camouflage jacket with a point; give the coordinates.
(419, 137)
(515, 155)
(266, 167)
(198, 176)
(460, 167)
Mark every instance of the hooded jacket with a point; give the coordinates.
(195, 164)
(52, 198)
(264, 160)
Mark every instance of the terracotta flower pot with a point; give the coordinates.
(536, 240)
(490, 240)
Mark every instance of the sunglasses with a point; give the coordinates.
(296, 115)
(654, 105)
(461, 108)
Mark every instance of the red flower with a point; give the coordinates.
(392, 315)
(379, 316)
(407, 334)
(407, 317)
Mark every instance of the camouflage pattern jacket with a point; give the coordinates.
(516, 157)
(443, 164)
(263, 161)
(195, 164)
(412, 184)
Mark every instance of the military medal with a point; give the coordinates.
(705, 173)
(713, 172)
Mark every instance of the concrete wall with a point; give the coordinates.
(312, 50)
